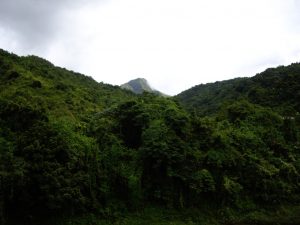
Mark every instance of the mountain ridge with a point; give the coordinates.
(275, 87)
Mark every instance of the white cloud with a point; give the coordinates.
(175, 44)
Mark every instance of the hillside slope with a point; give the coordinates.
(278, 88)
(58, 91)
(73, 151)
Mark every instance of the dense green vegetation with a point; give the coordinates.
(278, 88)
(73, 151)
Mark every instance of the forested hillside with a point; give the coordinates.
(278, 88)
(73, 151)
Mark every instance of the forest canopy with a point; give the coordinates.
(70, 147)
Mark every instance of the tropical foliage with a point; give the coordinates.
(74, 151)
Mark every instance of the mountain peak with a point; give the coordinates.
(140, 85)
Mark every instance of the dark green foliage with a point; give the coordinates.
(36, 84)
(19, 117)
(85, 152)
(13, 75)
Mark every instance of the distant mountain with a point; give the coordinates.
(277, 88)
(139, 86)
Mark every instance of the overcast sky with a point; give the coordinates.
(174, 44)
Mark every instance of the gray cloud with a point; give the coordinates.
(34, 22)
(174, 44)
